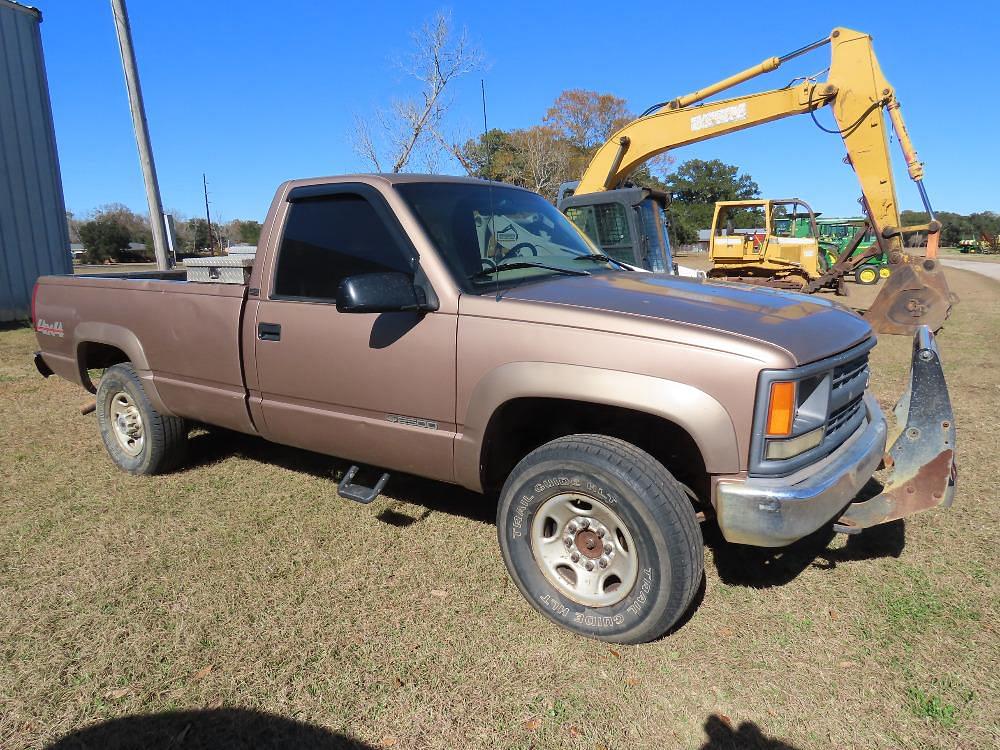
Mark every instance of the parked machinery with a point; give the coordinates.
(860, 97)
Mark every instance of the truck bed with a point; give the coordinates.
(195, 370)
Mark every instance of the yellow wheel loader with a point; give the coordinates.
(860, 97)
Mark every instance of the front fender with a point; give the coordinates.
(698, 413)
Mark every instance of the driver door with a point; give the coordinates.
(375, 388)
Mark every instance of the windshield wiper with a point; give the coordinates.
(599, 258)
(488, 272)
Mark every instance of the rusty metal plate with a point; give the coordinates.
(922, 457)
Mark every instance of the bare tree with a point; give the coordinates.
(408, 127)
(544, 157)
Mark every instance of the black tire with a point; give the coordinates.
(866, 275)
(655, 509)
(164, 438)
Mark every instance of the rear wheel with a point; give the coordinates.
(866, 275)
(884, 272)
(138, 438)
(600, 538)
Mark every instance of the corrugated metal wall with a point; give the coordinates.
(34, 239)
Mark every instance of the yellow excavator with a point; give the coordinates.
(611, 211)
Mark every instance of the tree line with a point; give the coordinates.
(957, 227)
(113, 231)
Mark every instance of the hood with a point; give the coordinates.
(809, 328)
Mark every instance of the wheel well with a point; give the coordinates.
(92, 355)
(521, 425)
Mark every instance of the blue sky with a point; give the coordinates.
(255, 92)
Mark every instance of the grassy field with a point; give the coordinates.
(241, 603)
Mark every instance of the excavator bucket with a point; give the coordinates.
(922, 457)
(915, 294)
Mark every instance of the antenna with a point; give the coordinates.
(208, 216)
(489, 188)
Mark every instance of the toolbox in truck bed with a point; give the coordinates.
(220, 269)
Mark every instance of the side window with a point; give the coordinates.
(330, 237)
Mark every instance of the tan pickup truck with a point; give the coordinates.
(468, 332)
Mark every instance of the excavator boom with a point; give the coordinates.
(860, 96)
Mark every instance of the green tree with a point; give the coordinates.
(200, 237)
(491, 156)
(586, 119)
(695, 187)
(246, 231)
(957, 227)
(104, 238)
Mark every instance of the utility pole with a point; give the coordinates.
(141, 133)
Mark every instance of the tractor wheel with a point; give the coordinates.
(884, 272)
(866, 275)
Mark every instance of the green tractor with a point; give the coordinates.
(836, 234)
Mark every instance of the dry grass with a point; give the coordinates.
(244, 581)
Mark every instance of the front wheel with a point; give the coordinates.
(600, 538)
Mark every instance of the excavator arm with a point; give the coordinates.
(859, 96)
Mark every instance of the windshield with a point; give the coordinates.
(479, 229)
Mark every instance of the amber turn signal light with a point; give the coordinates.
(781, 409)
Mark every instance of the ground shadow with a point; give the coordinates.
(722, 735)
(218, 729)
(14, 325)
(763, 567)
(217, 444)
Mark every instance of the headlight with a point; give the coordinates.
(778, 450)
(803, 413)
(796, 411)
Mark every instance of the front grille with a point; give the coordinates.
(846, 372)
(848, 382)
(848, 416)
(843, 416)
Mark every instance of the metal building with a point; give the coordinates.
(34, 238)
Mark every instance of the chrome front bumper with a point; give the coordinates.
(768, 512)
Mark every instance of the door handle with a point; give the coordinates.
(269, 331)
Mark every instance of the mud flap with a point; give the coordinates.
(915, 294)
(922, 456)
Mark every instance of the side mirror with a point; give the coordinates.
(381, 292)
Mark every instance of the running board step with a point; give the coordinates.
(358, 492)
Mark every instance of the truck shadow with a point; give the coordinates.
(217, 444)
(413, 499)
(722, 735)
(218, 729)
(762, 567)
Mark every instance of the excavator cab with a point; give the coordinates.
(628, 224)
(765, 241)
